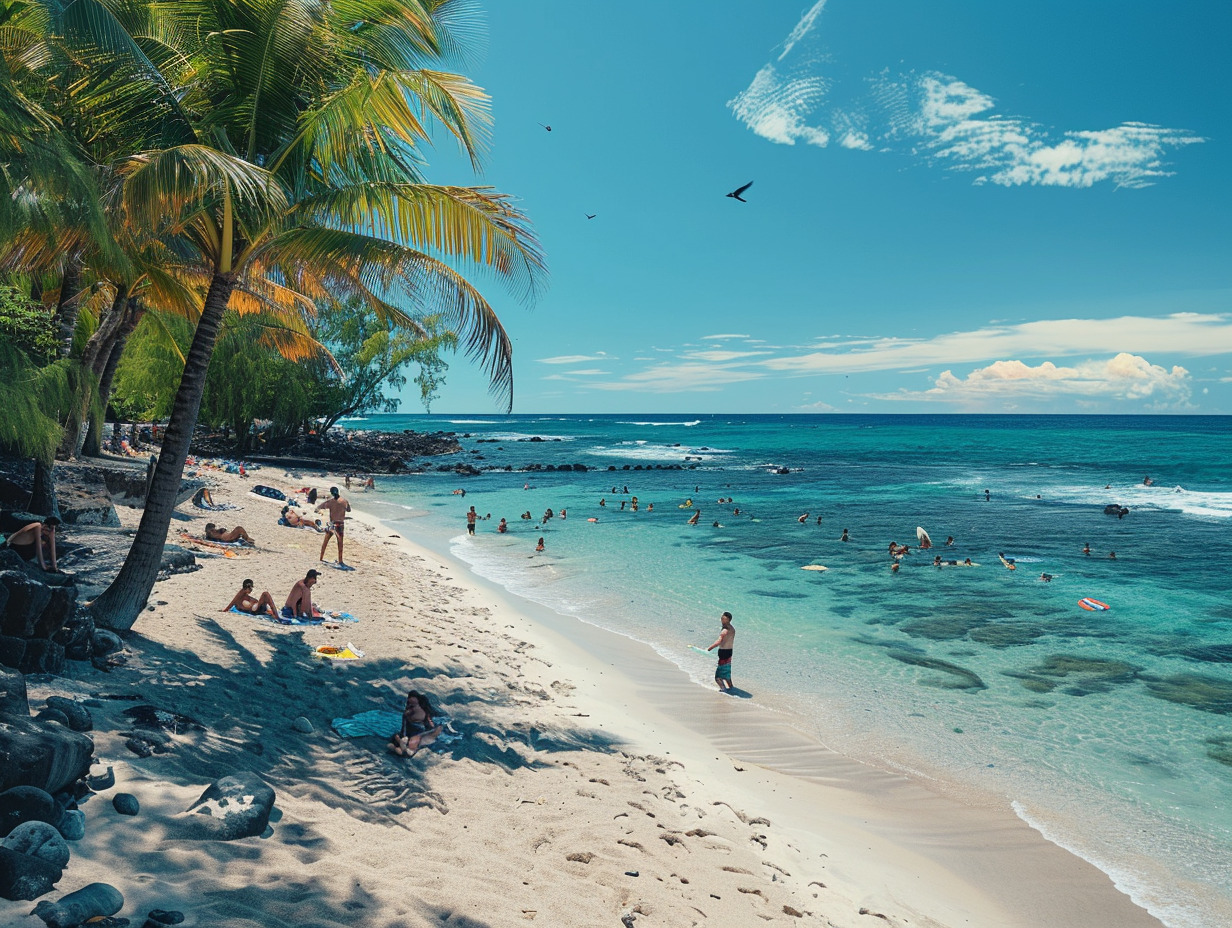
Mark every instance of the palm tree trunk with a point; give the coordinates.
(43, 495)
(98, 346)
(121, 603)
(93, 446)
(67, 307)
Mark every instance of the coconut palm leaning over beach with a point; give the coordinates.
(290, 166)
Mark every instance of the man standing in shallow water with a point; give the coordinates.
(725, 642)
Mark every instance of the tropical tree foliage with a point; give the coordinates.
(250, 158)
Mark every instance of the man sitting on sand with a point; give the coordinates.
(37, 542)
(337, 507)
(299, 600)
(244, 601)
(215, 533)
(418, 730)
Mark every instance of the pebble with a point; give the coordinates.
(632, 873)
(126, 804)
(302, 725)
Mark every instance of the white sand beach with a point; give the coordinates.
(593, 782)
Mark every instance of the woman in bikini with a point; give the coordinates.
(418, 730)
(36, 542)
(244, 601)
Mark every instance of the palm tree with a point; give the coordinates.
(298, 177)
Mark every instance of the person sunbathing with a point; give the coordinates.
(418, 728)
(244, 601)
(295, 520)
(36, 542)
(215, 533)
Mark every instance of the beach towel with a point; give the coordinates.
(283, 620)
(329, 651)
(385, 724)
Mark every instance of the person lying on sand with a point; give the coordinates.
(216, 533)
(243, 601)
(295, 520)
(418, 729)
(36, 542)
(299, 600)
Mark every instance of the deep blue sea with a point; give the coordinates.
(1110, 731)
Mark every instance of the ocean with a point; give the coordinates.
(1109, 731)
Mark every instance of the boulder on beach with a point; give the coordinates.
(236, 806)
(48, 756)
(79, 718)
(98, 900)
(24, 876)
(26, 804)
(38, 839)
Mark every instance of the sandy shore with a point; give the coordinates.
(593, 780)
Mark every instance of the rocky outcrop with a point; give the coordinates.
(42, 754)
(34, 606)
(362, 452)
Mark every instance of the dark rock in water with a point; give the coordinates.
(1092, 669)
(47, 756)
(156, 720)
(25, 877)
(38, 839)
(1198, 691)
(1211, 653)
(79, 718)
(963, 679)
(72, 826)
(1219, 749)
(98, 900)
(52, 715)
(1006, 634)
(160, 917)
(126, 804)
(101, 781)
(26, 804)
(942, 628)
(13, 699)
(237, 806)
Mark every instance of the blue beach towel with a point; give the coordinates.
(283, 620)
(386, 724)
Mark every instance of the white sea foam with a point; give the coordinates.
(1175, 913)
(1206, 504)
(650, 451)
(527, 436)
(658, 424)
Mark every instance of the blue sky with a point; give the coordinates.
(984, 207)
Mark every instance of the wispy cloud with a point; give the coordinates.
(940, 120)
(713, 338)
(1195, 334)
(718, 355)
(680, 378)
(1124, 377)
(576, 358)
(569, 375)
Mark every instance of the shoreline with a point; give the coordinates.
(594, 780)
(904, 815)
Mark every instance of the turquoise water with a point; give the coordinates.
(1109, 731)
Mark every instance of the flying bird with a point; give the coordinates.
(549, 128)
(735, 194)
(591, 215)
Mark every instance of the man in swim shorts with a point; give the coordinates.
(725, 642)
(337, 507)
(471, 516)
(299, 600)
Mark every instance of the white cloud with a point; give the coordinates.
(571, 374)
(711, 338)
(1124, 377)
(576, 358)
(1193, 334)
(680, 378)
(723, 355)
(941, 120)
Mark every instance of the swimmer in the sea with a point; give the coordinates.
(1086, 549)
(802, 519)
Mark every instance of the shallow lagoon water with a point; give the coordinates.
(1109, 731)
